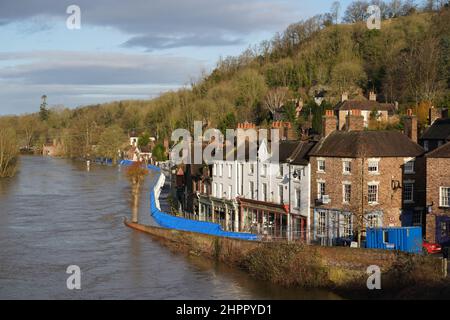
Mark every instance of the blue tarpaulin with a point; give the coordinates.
(178, 223)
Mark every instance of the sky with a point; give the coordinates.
(135, 49)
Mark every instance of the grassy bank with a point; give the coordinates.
(342, 270)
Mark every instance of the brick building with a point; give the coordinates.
(365, 106)
(363, 179)
(438, 195)
(436, 135)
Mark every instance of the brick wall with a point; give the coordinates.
(438, 174)
(390, 200)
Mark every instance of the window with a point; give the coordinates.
(321, 165)
(280, 170)
(241, 179)
(320, 190)
(220, 192)
(444, 197)
(321, 223)
(417, 218)
(264, 170)
(347, 227)
(230, 170)
(215, 189)
(252, 190)
(347, 192)
(409, 166)
(408, 192)
(220, 170)
(372, 195)
(230, 191)
(374, 220)
(373, 166)
(280, 194)
(264, 192)
(386, 236)
(252, 168)
(347, 166)
(214, 169)
(298, 197)
(426, 145)
(445, 229)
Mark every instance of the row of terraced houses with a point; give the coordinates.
(326, 188)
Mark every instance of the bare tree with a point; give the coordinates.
(8, 152)
(356, 11)
(275, 98)
(136, 174)
(29, 127)
(335, 9)
(421, 69)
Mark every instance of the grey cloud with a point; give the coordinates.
(98, 69)
(26, 98)
(167, 19)
(166, 42)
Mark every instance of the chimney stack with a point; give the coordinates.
(410, 122)
(329, 123)
(372, 96)
(344, 96)
(354, 121)
(433, 115)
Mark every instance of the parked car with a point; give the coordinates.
(431, 248)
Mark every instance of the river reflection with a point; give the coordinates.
(55, 213)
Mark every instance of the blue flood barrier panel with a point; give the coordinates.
(178, 223)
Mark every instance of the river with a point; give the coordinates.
(54, 213)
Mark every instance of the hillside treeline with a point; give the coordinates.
(406, 61)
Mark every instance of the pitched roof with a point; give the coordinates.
(364, 105)
(300, 156)
(441, 152)
(357, 144)
(295, 152)
(440, 130)
(286, 148)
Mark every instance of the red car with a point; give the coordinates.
(431, 248)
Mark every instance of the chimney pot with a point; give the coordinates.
(372, 96)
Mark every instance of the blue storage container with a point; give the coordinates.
(407, 239)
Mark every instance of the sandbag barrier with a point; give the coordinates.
(178, 223)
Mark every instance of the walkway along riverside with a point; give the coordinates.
(178, 223)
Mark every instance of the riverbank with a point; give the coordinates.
(342, 270)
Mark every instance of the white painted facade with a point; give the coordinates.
(264, 181)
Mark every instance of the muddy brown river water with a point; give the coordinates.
(54, 213)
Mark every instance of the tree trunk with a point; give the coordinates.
(136, 188)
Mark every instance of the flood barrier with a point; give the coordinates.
(178, 223)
